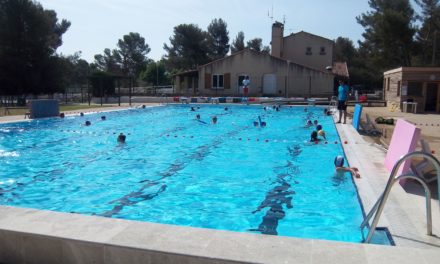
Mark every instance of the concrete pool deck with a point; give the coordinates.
(37, 236)
(404, 214)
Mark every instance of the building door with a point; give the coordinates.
(431, 97)
(269, 84)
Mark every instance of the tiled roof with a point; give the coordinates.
(340, 69)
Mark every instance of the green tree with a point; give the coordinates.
(132, 51)
(389, 32)
(238, 43)
(257, 45)
(102, 84)
(29, 38)
(109, 62)
(156, 74)
(344, 50)
(79, 69)
(219, 39)
(428, 34)
(188, 47)
(388, 38)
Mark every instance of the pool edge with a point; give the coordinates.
(38, 236)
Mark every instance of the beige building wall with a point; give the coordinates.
(291, 79)
(397, 81)
(309, 50)
(392, 84)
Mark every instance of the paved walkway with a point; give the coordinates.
(15, 118)
(428, 123)
(404, 214)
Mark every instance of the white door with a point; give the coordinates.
(269, 84)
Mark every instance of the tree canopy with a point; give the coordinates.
(428, 34)
(189, 47)
(389, 32)
(132, 51)
(29, 38)
(257, 45)
(155, 74)
(219, 39)
(238, 43)
(108, 62)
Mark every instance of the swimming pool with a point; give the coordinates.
(177, 170)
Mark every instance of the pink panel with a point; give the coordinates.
(403, 141)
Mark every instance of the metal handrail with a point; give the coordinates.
(380, 203)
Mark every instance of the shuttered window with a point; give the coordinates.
(208, 81)
(227, 79)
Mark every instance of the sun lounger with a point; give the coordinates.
(424, 168)
(369, 128)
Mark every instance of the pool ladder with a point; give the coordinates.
(332, 106)
(378, 207)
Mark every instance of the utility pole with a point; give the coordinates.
(157, 77)
(434, 48)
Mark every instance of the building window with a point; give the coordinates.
(322, 51)
(398, 88)
(217, 81)
(388, 83)
(415, 88)
(309, 51)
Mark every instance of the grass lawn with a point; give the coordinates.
(63, 108)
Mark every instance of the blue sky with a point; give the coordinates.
(98, 24)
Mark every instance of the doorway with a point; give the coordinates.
(269, 84)
(431, 97)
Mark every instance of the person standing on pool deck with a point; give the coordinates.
(342, 100)
(246, 84)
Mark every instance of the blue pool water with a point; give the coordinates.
(174, 169)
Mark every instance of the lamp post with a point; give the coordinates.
(286, 92)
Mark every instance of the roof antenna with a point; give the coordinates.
(270, 14)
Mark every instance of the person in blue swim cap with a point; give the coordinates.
(339, 164)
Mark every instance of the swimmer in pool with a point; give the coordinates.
(121, 138)
(339, 164)
(321, 133)
(314, 136)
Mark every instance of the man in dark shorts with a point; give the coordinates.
(342, 100)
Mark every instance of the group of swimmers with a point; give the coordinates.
(214, 119)
(274, 107)
(317, 132)
(259, 122)
(121, 137)
(88, 123)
